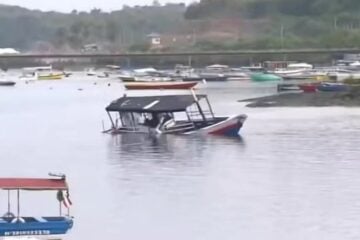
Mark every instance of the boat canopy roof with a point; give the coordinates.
(153, 104)
(38, 184)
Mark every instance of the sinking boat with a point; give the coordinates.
(17, 225)
(170, 114)
(159, 85)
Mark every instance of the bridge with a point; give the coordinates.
(188, 54)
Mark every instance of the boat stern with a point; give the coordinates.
(229, 127)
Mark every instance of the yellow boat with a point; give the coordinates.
(51, 76)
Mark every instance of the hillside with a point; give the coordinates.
(285, 23)
(52, 31)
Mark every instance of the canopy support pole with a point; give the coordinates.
(60, 208)
(112, 122)
(8, 198)
(18, 203)
(210, 108)
(198, 104)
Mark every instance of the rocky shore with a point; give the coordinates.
(316, 99)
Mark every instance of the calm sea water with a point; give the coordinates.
(294, 173)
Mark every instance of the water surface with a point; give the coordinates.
(294, 173)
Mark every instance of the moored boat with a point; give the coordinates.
(332, 87)
(17, 225)
(159, 85)
(7, 83)
(50, 76)
(160, 115)
(264, 77)
(308, 87)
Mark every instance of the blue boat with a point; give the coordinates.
(13, 225)
(332, 87)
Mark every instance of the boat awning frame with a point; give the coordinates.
(153, 104)
(35, 184)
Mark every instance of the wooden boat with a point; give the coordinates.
(332, 87)
(308, 87)
(17, 225)
(162, 115)
(7, 83)
(159, 85)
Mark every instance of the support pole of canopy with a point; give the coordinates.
(60, 208)
(18, 203)
(133, 121)
(8, 197)
(210, 108)
(112, 122)
(198, 104)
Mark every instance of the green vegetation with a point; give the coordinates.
(52, 31)
(207, 25)
(286, 23)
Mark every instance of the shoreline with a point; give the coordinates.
(316, 99)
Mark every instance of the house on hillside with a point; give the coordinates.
(154, 40)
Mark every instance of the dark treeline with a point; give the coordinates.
(27, 29)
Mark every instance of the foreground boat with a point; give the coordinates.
(15, 225)
(170, 114)
(159, 85)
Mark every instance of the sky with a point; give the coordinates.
(82, 5)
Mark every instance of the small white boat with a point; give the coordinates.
(90, 72)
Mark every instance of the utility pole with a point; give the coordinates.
(282, 36)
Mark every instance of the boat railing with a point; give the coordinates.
(206, 113)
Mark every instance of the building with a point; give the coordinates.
(154, 40)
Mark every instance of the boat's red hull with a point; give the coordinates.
(308, 87)
(159, 85)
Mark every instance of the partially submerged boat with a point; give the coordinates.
(170, 114)
(159, 85)
(17, 225)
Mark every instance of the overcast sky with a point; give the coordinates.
(68, 5)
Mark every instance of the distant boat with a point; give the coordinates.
(51, 76)
(159, 85)
(90, 72)
(287, 87)
(265, 77)
(308, 87)
(332, 87)
(7, 83)
(40, 73)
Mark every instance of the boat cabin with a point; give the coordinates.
(15, 224)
